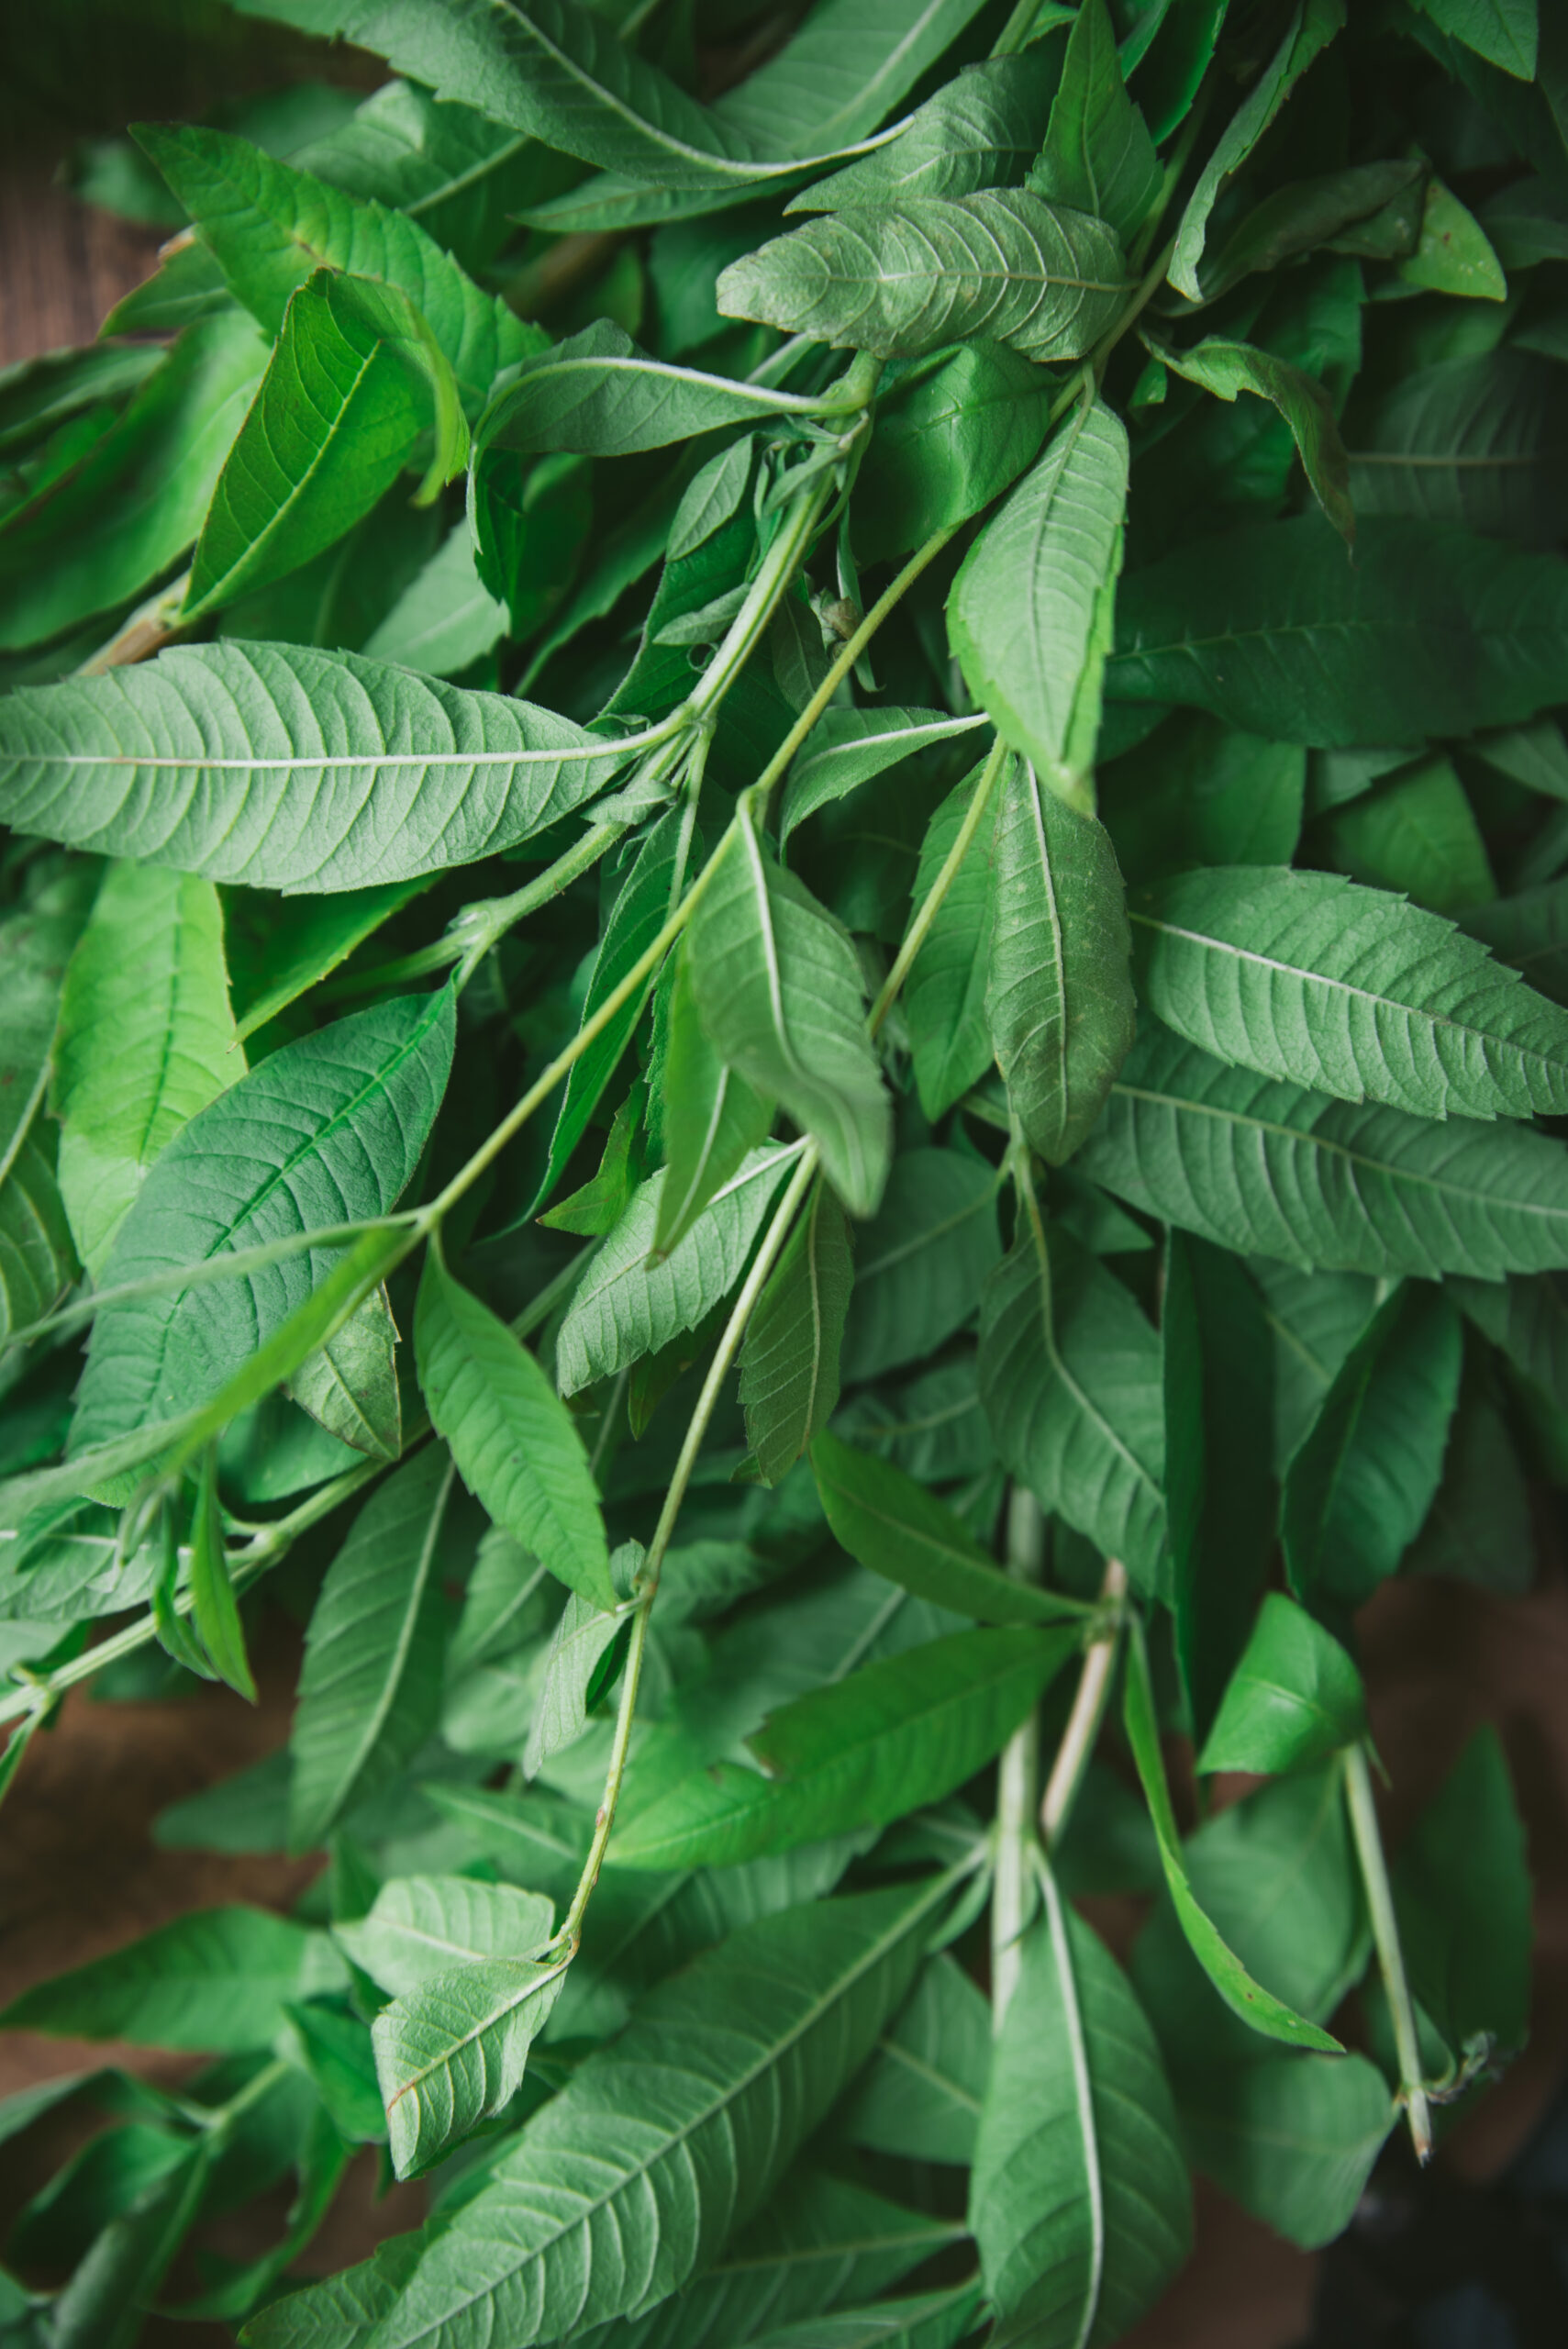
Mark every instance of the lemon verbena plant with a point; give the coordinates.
(785, 925)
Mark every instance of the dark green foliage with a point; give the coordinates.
(746, 981)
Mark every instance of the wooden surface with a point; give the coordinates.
(63, 265)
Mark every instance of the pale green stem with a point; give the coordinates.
(712, 1387)
(1012, 1894)
(920, 927)
(1390, 1955)
(1088, 1710)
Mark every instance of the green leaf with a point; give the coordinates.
(1462, 1892)
(287, 768)
(1294, 1699)
(446, 619)
(780, 993)
(270, 227)
(451, 2052)
(1417, 832)
(1505, 32)
(1277, 1873)
(1529, 1320)
(1219, 1374)
(1358, 1489)
(789, 1363)
(421, 1926)
(353, 382)
(512, 1438)
(1272, 2017)
(893, 1526)
(921, 1260)
(1312, 25)
(1079, 2200)
(947, 443)
(1268, 1168)
(1097, 153)
(598, 393)
(1069, 1376)
(37, 939)
(146, 1039)
(1021, 616)
(581, 1643)
(840, 74)
(37, 395)
(1059, 997)
(1454, 255)
(301, 942)
(885, 1740)
(903, 279)
(980, 130)
(350, 1387)
(850, 746)
(369, 1689)
(1228, 369)
(326, 1130)
(944, 996)
(1292, 2139)
(630, 1302)
(103, 2305)
(1430, 631)
(1371, 209)
(118, 522)
(917, 2321)
(333, 2050)
(921, 2094)
(214, 1609)
(1199, 793)
(215, 1981)
(1360, 995)
(747, 2048)
(1472, 440)
(643, 906)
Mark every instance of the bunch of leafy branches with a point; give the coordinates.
(779, 1029)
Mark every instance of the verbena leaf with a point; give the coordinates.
(1311, 26)
(450, 2053)
(1079, 2199)
(108, 529)
(562, 2235)
(214, 1609)
(779, 990)
(1294, 1699)
(446, 619)
(353, 382)
(579, 1644)
(1069, 1377)
(286, 768)
(422, 1926)
(369, 1690)
(598, 393)
(919, 2321)
(980, 130)
(921, 1260)
(1022, 612)
(711, 1116)
(1379, 1000)
(1228, 369)
(888, 1738)
(1058, 996)
(944, 997)
(327, 1129)
(215, 1980)
(1529, 1320)
(1267, 1166)
(146, 1039)
(923, 2089)
(906, 278)
(629, 1303)
(1416, 833)
(1462, 1893)
(850, 746)
(1357, 1491)
(269, 226)
(1429, 631)
(37, 938)
(947, 444)
(1273, 2017)
(1218, 1375)
(1292, 2139)
(350, 1386)
(1472, 440)
(789, 1363)
(890, 1523)
(1503, 32)
(512, 1438)
(1097, 153)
